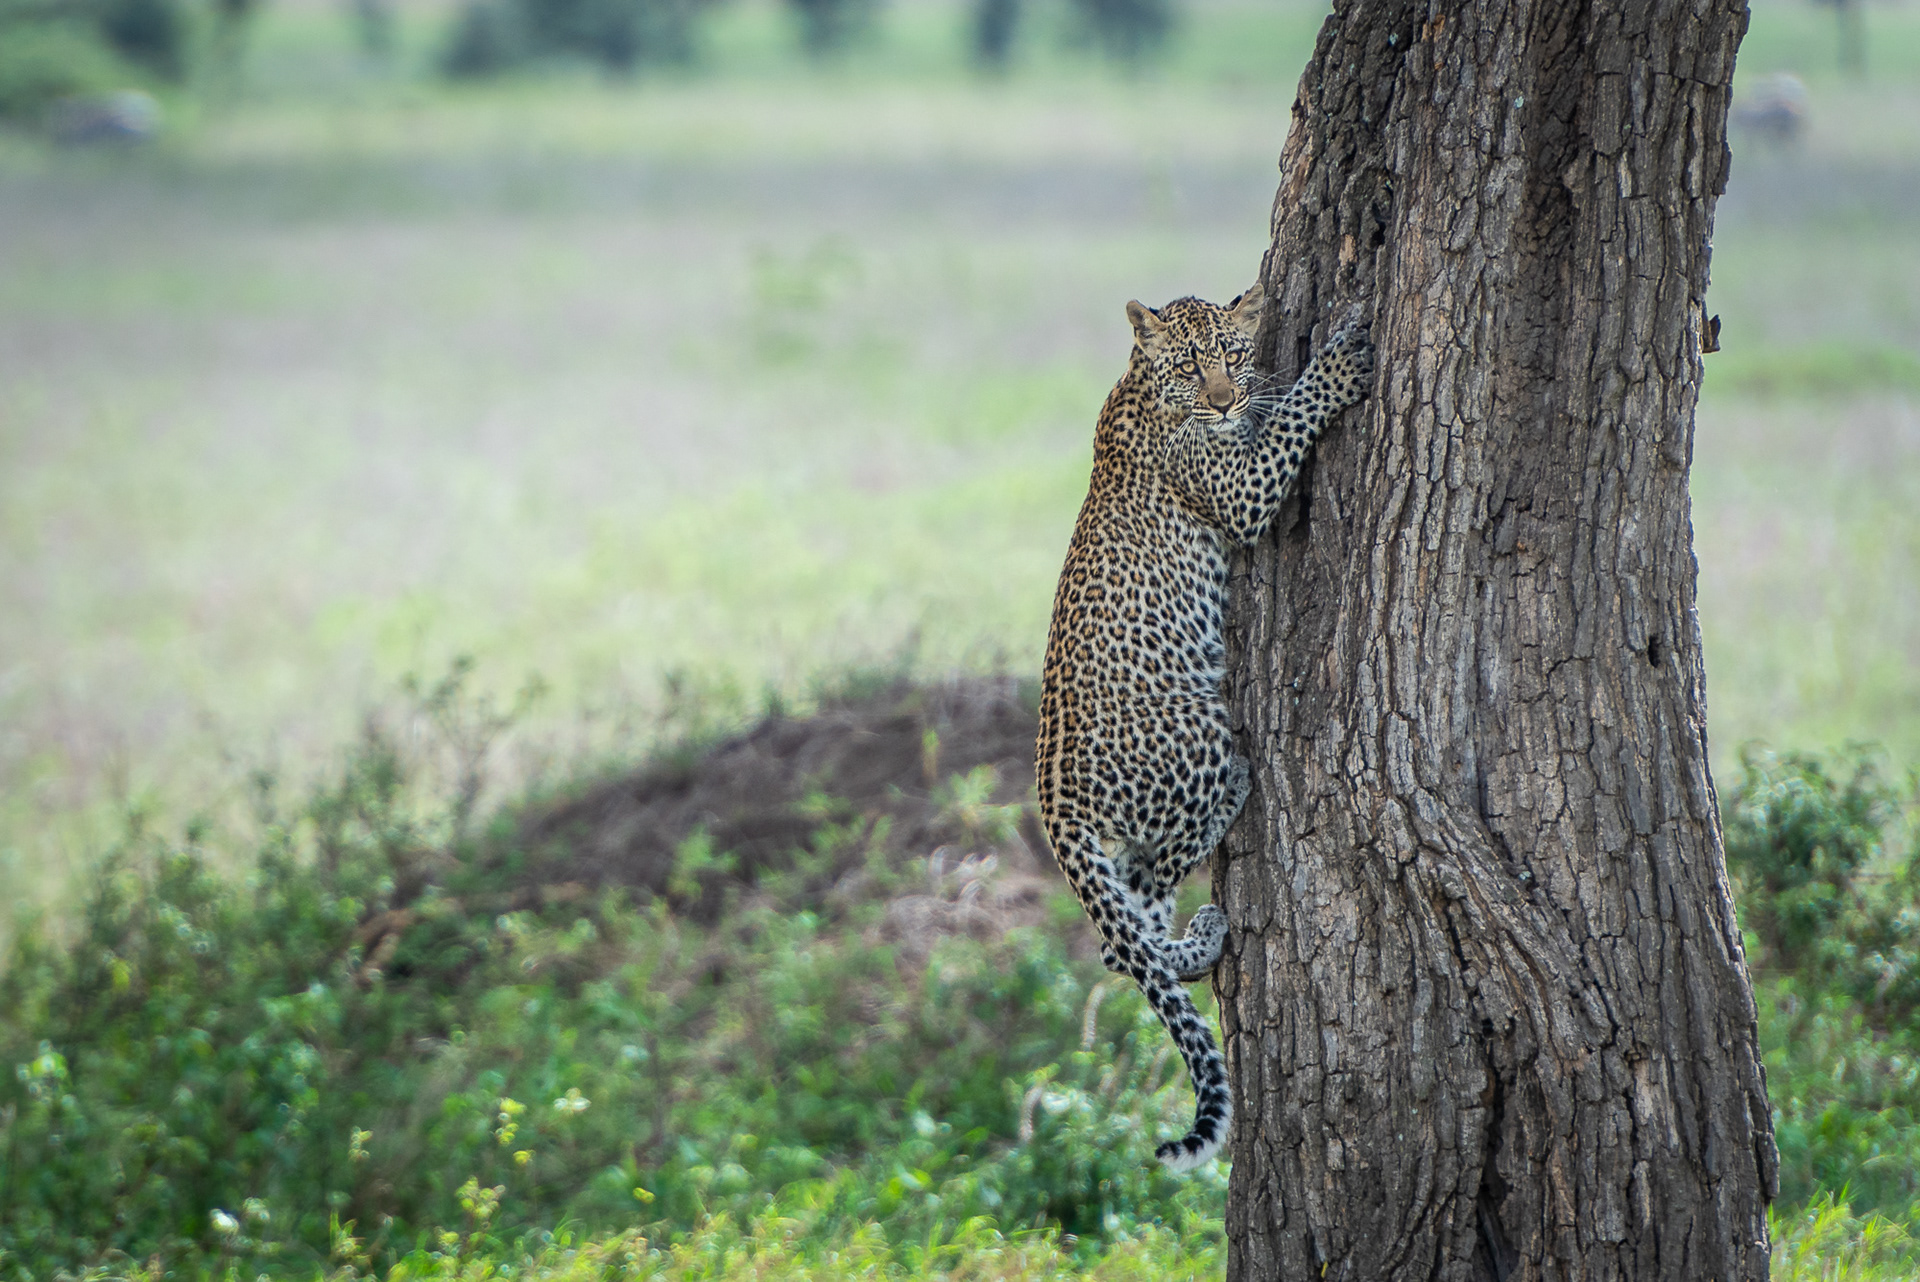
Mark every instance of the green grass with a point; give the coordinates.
(1805, 520)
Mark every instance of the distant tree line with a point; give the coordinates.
(1127, 31)
(52, 50)
(492, 36)
(56, 49)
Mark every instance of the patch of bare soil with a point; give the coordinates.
(870, 793)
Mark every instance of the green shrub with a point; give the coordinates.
(992, 31)
(1128, 31)
(1796, 836)
(1824, 886)
(1831, 906)
(149, 33)
(491, 36)
(485, 41)
(341, 1039)
(829, 26)
(42, 62)
(399, 1041)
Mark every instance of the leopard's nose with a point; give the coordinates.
(1222, 398)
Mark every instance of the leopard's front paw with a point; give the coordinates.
(1347, 364)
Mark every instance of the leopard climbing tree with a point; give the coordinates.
(1483, 1000)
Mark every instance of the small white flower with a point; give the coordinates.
(224, 1223)
(572, 1102)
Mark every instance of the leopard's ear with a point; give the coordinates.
(1244, 311)
(1146, 324)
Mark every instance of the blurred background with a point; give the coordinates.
(621, 356)
(607, 341)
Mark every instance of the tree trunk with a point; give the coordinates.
(1484, 1002)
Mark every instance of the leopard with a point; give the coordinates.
(1136, 773)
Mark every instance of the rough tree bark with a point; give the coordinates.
(1484, 1002)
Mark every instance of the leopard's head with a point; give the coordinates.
(1199, 355)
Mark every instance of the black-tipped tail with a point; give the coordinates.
(1204, 1142)
(1213, 1102)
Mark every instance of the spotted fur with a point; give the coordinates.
(1137, 775)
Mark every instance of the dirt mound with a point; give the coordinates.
(833, 801)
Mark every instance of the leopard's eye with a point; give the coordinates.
(1235, 356)
(1189, 367)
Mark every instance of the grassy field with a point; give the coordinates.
(741, 376)
(745, 372)
(735, 375)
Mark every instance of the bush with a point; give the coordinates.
(491, 36)
(149, 33)
(994, 22)
(1128, 31)
(829, 26)
(377, 1035)
(1831, 906)
(486, 40)
(399, 1041)
(43, 62)
(1830, 898)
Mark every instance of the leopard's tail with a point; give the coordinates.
(1125, 932)
(1212, 1101)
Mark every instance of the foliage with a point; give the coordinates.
(375, 1034)
(1831, 903)
(154, 35)
(43, 62)
(491, 36)
(993, 28)
(778, 1247)
(55, 49)
(150, 33)
(829, 26)
(1128, 31)
(397, 1041)
(1800, 833)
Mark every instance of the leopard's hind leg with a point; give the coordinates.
(1131, 946)
(1193, 955)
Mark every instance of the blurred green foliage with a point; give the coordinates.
(152, 33)
(1797, 835)
(43, 62)
(828, 26)
(491, 36)
(995, 23)
(56, 49)
(1127, 31)
(1829, 875)
(1824, 1241)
